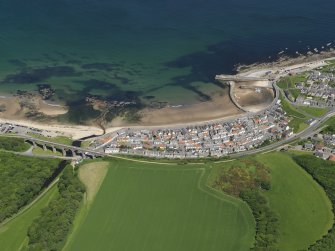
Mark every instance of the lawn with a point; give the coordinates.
(314, 111)
(59, 139)
(289, 82)
(13, 235)
(303, 208)
(298, 120)
(145, 206)
(40, 151)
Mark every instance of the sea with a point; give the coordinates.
(149, 50)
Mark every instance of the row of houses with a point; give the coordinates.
(210, 139)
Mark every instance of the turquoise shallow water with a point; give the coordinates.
(161, 50)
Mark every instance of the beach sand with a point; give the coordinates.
(255, 96)
(220, 106)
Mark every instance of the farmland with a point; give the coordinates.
(143, 206)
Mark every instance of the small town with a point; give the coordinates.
(321, 145)
(215, 139)
(318, 90)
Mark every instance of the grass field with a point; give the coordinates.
(303, 208)
(298, 120)
(142, 206)
(59, 139)
(289, 82)
(40, 151)
(13, 235)
(314, 111)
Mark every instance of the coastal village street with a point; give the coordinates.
(217, 139)
(252, 132)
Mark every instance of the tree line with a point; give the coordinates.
(323, 171)
(22, 179)
(50, 230)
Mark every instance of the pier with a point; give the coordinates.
(237, 78)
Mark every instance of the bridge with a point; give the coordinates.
(65, 150)
(238, 78)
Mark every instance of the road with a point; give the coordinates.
(303, 134)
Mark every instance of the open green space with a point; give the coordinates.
(150, 206)
(323, 171)
(40, 151)
(290, 81)
(314, 111)
(59, 139)
(329, 122)
(50, 230)
(298, 120)
(13, 144)
(304, 210)
(13, 235)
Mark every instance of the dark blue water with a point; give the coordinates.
(168, 50)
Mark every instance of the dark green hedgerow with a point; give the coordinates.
(49, 231)
(323, 172)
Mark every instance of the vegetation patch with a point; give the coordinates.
(302, 206)
(291, 210)
(148, 206)
(323, 172)
(290, 81)
(13, 144)
(92, 175)
(41, 151)
(59, 139)
(314, 111)
(297, 119)
(247, 179)
(50, 229)
(13, 234)
(22, 179)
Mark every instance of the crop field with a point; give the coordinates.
(143, 206)
(303, 208)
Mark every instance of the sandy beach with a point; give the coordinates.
(220, 107)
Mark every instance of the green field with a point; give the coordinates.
(303, 208)
(40, 151)
(314, 111)
(289, 82)
(143, 206)
(298, 120)
(59, 139)
(13, 235)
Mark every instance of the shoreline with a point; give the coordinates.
(81, 131)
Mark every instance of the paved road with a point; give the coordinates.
(303, 134)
